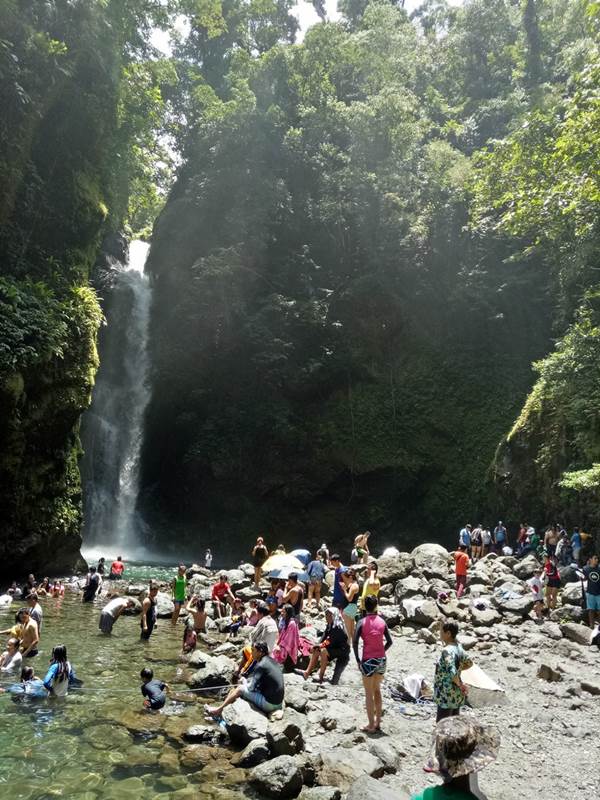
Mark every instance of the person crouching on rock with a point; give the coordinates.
(264, 689)
(221, 595)
(462, 748)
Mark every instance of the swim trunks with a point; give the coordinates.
(373, 666)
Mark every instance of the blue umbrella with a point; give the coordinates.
(302, 555)
(284, 573)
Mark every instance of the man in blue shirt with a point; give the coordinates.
(500, 536)
(464, 538)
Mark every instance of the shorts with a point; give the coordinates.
(106, 622)
(157, 702)
(576, 551)
(258, 700)
(32, 653)
(550, 549)
(553, 583)
(592, 601)
(316, 581)
(373, 666)
(351, 610)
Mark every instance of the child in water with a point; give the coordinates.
(30, 685)
(60, 673)
(153, 690)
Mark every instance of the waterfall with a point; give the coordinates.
(113, 426)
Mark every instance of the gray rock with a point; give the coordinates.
(385, 592)
(547, 673)
(387, 752)
(136, 589)
(427, 636)
(255, 753)
(285, 737)
(409, 586)
(551, 630)
(468, 642)
(366, 788)
(519, 605)
(572, 593)
(237, 579)
(342, 767)
(590, 688)
(525, 568)
(296, 698)
(393, 568)
(427, 613)
(575, 633)
(485, 617)
(249, 593)
(392, 615)
(320, 793)
(203, 733)
(573, 613)
(244, 723)
(214, 671)
(279, 778)
(164, 605)
(568, 574)
(433, 557)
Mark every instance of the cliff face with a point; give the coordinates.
(58, 94)
(550, 460)
(331, 350)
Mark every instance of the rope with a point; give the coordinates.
(129, 691)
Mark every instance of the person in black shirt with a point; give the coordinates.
(333, 644)
(264, 689)
(592, 595)
(153, 690)
(91, 586)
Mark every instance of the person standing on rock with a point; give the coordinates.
(339, 600)
(361, 545)
(592, 594)
(372, 584)
(179, 593)
(486, 541)
(259, 556)
(316, 574)
(464, 538)
(551, 540)
(148, 619)
(449, 692)
(576, 544)
(208, 558)
(537, 588)
(461, 568)
(351, 590)
(476, 542)
(500, 537)
(552, 577)
(294, 594)
(373, 631)
(264, 689)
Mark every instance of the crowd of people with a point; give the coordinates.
(282, 637)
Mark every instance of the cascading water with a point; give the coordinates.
(112, 427)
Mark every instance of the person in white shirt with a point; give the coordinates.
(112, 611)
(208, 559)
(537, 587)
(11, 659)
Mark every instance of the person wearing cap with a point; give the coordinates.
(264, 689)
(462, 748)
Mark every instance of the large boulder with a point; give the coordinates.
(573, 613)
(485, 617)
(255, 753)
(572, 593)
(432, 557)
(244, 723)
(237, 579)
(525, 568)
(279, 778)
(426, 613)
(576, 633)
(205, 734)
(342, 767)
(214, 671)
(320, 793)
(392, 615)
(517, 605)
(568, 574)
(164, 605)
(393, 568)
(409, 586)
(285, 737)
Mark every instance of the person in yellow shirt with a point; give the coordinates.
(371, 585)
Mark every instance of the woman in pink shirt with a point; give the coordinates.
(376, 638)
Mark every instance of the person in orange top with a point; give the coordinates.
(461, 567)
(116, 568)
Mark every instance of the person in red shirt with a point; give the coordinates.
(116, 568)
(221, 595)
(461, 567)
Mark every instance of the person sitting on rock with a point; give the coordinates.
(332, 646)
(264, 689)
(462, 748)
(265, 631)
(221, 595)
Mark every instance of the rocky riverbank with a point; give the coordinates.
(548, 719)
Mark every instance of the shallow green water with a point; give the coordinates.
(98, 742)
